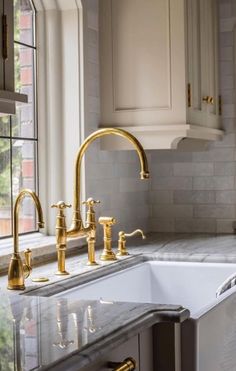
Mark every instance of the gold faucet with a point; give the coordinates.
(18, 271)
(89, 230)
(122, 241)
(77, 228)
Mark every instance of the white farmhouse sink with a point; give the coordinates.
(208, 338)
(192, 285)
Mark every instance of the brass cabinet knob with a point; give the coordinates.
(207, 99)
(129, 364)
(211, 100)
(122, 241)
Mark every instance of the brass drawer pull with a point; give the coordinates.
(129, 364)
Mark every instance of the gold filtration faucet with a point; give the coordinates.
(77, 228)
(18, 271)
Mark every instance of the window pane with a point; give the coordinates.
(5, 188)
(23, 176)
(23, 22)
(23, 121)
(5, 126)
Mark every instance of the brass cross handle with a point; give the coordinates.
(122, 241)
(60, 205)
(129, 364)
(90, 202)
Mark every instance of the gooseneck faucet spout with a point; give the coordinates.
(22, 194)
(18, 271)
(77, 227)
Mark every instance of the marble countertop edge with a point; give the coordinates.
(109, 342)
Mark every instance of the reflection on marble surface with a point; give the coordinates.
(36, 332)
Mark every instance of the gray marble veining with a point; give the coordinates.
(41, 333)
(173, 247)
(160, 246)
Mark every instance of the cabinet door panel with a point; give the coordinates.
(142, 62)
(213, 72)
(139, 52)
(197, 62)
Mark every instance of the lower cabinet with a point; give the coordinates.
(155, 349)
(140, 348)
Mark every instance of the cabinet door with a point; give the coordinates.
(129, 348)
(202, 30)
(197, 62)
(142, 50)
(139, 347)
(212, 66)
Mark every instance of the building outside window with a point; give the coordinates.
(18, 133)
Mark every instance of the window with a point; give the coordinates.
(18, 133)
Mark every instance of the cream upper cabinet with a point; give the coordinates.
(159, 76)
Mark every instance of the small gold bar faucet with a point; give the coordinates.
(18, 271)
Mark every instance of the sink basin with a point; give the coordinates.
(193, 285)
(206, 340)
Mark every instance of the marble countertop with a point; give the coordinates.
(157, 246)
(51, 333)
(49, 330)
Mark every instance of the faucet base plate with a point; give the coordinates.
(62, 273)
(108, 256)
(91, 264)
(16, 287)
(40, 279)
(122, 253)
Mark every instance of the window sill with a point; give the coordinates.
(43, 248)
